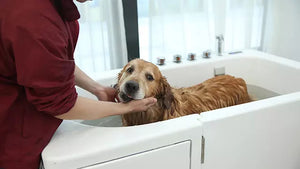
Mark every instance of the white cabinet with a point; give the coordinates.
(176, 156)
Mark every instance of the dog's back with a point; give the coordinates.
(217, 92)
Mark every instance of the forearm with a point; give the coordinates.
(85, 82)
(88, 109)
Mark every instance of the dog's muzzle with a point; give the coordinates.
(129, 91)
(131, 87)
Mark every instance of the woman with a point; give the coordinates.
(38, 77)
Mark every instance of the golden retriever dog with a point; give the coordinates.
(140, 79)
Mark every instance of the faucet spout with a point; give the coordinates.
(220, 41)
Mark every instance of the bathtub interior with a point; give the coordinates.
(256, 92)
(266, 77)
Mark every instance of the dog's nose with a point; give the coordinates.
(131, 87)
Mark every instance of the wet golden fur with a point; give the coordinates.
(214, 93)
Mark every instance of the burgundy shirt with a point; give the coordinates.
(37, 42)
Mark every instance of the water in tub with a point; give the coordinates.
(256, 92)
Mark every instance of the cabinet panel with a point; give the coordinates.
(176, 156)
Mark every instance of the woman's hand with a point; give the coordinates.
(109, 94)
(140, 105)
(105, 93)
(101, 92)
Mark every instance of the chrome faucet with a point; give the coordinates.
(220, 40)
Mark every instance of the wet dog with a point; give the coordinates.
(140, 79)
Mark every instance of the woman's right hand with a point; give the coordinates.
(140, 105)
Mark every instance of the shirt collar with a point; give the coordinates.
(67, 9)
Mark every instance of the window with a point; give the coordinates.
(167, 28)
(101, 44)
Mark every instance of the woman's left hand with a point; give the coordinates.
(106, 93)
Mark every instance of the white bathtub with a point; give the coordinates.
(264, 134)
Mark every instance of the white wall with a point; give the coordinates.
(282, 28)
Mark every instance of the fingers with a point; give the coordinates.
(150, 101)
(142, 105)
(112, 93)
(106, 94)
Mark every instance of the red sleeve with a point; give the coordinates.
(42, 48)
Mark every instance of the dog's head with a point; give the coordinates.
(141, 79)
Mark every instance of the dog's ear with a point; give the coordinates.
(116, 86)
(120, 74)
(166, 95)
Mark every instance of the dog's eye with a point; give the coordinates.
(130, 70)
(149, 77)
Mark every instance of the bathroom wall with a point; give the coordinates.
(282, 28)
